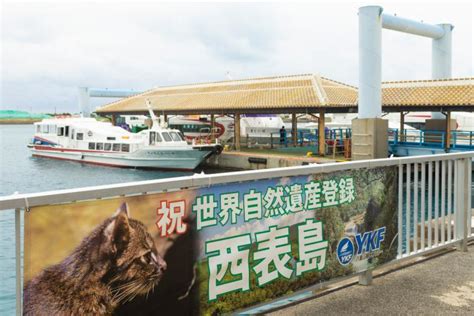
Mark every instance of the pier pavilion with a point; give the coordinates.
(296, 94)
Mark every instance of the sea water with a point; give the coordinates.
(20, 172)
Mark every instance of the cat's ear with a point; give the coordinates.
(117, 231)
(123, 209)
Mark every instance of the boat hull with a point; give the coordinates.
(144, 158)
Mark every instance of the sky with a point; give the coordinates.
(49, 49)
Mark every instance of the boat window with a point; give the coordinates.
(116, 147)
(126, 147)
(72, 134)
(100, 146)
(52, 129)
(166, 136)
(152, 138)
(66, 131)
(38, 128)
(181, 135)
(110, 138)
(45, 129)
(80, 136)
(158, 138)
(175, 136)
(107, 146)
(92, 146)
(60, 131)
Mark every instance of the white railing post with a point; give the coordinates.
(422, 207)
(415, 207)
(408, 211)
(443, 201)
(430, 203)
(400, 210)
(18, 261)
(462, 198)
(469, 197)
(450, 200)
(436, 198)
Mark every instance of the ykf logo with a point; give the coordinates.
(345, 251)
(369, 241)
(365, 243)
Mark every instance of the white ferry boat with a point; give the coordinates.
(90, 141)
(255, 126)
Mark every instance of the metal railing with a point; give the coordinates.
(434, 198)
(431, 138)
(434, 203)
(334, 139)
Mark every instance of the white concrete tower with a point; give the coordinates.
(84, 105)
(369, 131)
(370, 62)
(441, 59)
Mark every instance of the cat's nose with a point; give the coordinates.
(161, 263)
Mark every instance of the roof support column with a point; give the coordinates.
(294, 129)
(237, 131)
(447, 144)
(114, 119)
(321, 134)
(401, 131)
(213, 126)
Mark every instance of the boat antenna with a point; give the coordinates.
(153, 117)
(150, 110)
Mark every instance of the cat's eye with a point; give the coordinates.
(147, 258)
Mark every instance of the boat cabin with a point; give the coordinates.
(87, 134)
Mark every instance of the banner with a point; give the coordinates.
(209, 250)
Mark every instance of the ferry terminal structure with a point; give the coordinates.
(417, 235)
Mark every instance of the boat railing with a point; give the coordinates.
(208, 135)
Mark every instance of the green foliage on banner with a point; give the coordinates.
(375, 206)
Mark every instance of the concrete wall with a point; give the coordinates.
(369, 138)
(251, 161)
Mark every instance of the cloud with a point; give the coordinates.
(50, 49)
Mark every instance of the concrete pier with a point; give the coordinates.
(253, 161)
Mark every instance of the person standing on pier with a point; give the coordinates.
(282, 136)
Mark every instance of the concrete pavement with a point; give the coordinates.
(443, 285)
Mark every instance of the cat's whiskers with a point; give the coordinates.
(131, 289)
(124, 285)
(137, 291)
(125, 290)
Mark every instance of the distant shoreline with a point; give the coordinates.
(18, 121)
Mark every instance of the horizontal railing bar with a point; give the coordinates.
(105, 191)
(426, 252)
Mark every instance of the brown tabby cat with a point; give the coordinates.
(117, 261)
